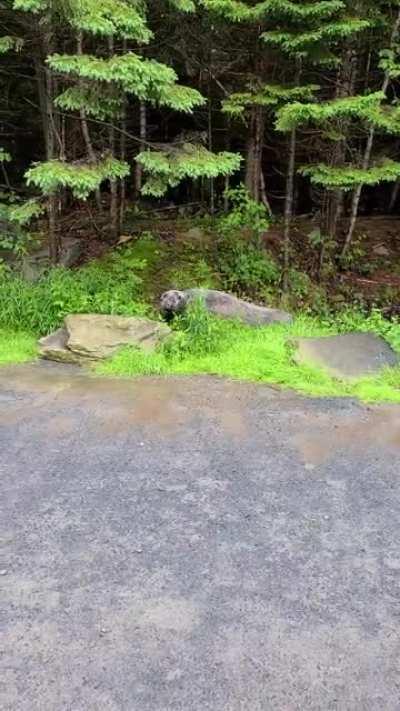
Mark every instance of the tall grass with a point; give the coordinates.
(110, 286)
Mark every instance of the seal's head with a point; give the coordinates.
(172, 302)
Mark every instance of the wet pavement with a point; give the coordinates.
(195, 544)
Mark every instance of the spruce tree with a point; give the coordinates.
(99, 83)
(304, 34)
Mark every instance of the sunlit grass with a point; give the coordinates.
(261, 355)
(16, 347)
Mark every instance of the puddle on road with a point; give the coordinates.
(115, 405)
(323, 438)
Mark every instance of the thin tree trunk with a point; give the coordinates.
(114, 212)
(122, 150)
(263, 193)
(254, 153)
(84, 124)
(394, 195)
(367, 152)
(49, 129)
(289, 199)
(289, 195)
(210, 148)
(143, 136)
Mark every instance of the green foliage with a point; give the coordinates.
(348, 177)
(268, 95)
(197, 332)
(167, 169)
(146, 78)
(110, 286)
(263, 355)
(246, 268)
(246, 214)
(99, 101)
(183, 5)
(367, 108)
(303, 42)
(109, 18)
(237, 11)
(4, 156)
(82, 179)
(389, 63)
(15, 216)
(16, 347)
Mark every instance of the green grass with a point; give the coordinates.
(261, 355)
(16, 347)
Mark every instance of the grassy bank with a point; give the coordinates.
(261, 355)
(128, 280)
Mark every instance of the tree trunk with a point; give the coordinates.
(114, 212)
(84, 125)
(289, 195)
(288, 210)
(368, 151)
(46, 95)
(143, 136)
(254, 153)
(122, 150)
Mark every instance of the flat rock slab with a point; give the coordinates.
(223, 305)
(351, 355)
(91, 337)
(99, 336)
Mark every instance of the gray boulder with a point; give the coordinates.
(221, 304)
(348, 356)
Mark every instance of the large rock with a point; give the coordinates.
(54, 347)
(91, 337)
(99, 336)
(222, 304)
(348, 356)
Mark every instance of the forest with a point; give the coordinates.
(248, 146)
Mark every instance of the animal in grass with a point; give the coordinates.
(221, 304)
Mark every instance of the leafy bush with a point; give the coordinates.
(246, 268)
(246, 215)
(197, 332)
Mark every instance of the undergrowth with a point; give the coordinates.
(205, 345)
(111, 286)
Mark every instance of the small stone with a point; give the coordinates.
(381, 251)
(3, 572)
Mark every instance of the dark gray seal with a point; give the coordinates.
(221, 304)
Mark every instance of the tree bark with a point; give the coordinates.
(254, 153)
(143, 136)
(84, 125)
(114, 212)
(289, 195)
(289, 199)
(46, 96)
